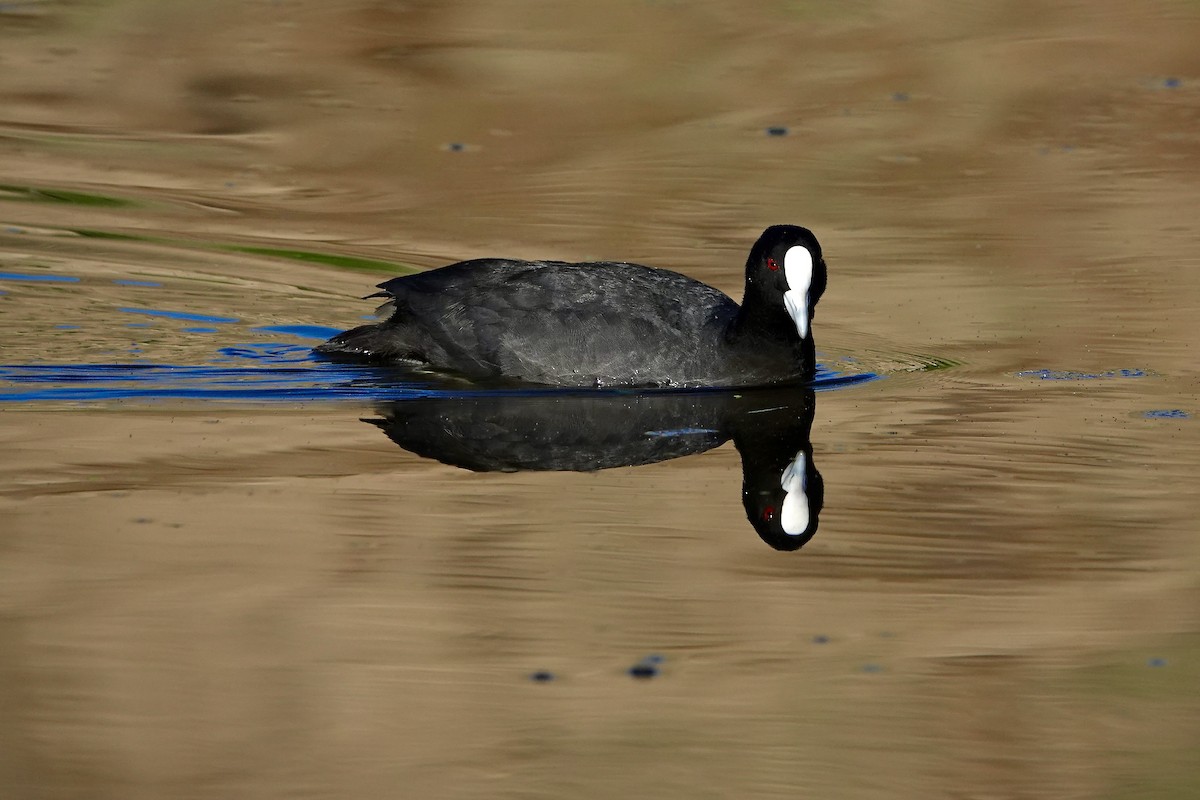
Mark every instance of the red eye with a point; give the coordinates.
(768, 513)
(771, 265)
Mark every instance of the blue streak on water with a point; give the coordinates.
(66, 327)
(127, 282)
(40, 278)
(153, 312)
(303, 331)
(1166, 413)
(199, 330)
(1065, 375)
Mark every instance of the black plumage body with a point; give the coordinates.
(582, 324)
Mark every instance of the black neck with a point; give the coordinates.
(759, 320)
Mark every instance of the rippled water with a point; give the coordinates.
(248, 371)
(258, 371)
(230, 569)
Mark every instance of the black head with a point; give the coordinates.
(786, 270)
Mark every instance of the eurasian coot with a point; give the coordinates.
(602, 323)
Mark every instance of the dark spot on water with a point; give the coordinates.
(1172, 83)
(1156, 662)
(541, 676)
(900, 97)
(872, 668)
(1166, 413)
(456, 147)
(820, 638)
(143, 520)
(777, 130)
(66, 327)
(654, 658)
(643, 671)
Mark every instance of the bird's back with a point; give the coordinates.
(581, 324)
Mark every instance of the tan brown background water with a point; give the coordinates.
(219, 601)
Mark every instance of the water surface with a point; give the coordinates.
(219, 580)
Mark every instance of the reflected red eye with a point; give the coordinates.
(772, 265)
(768, 513)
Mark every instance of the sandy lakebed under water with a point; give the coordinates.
(217, 580)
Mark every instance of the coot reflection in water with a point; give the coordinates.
(781, 489)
